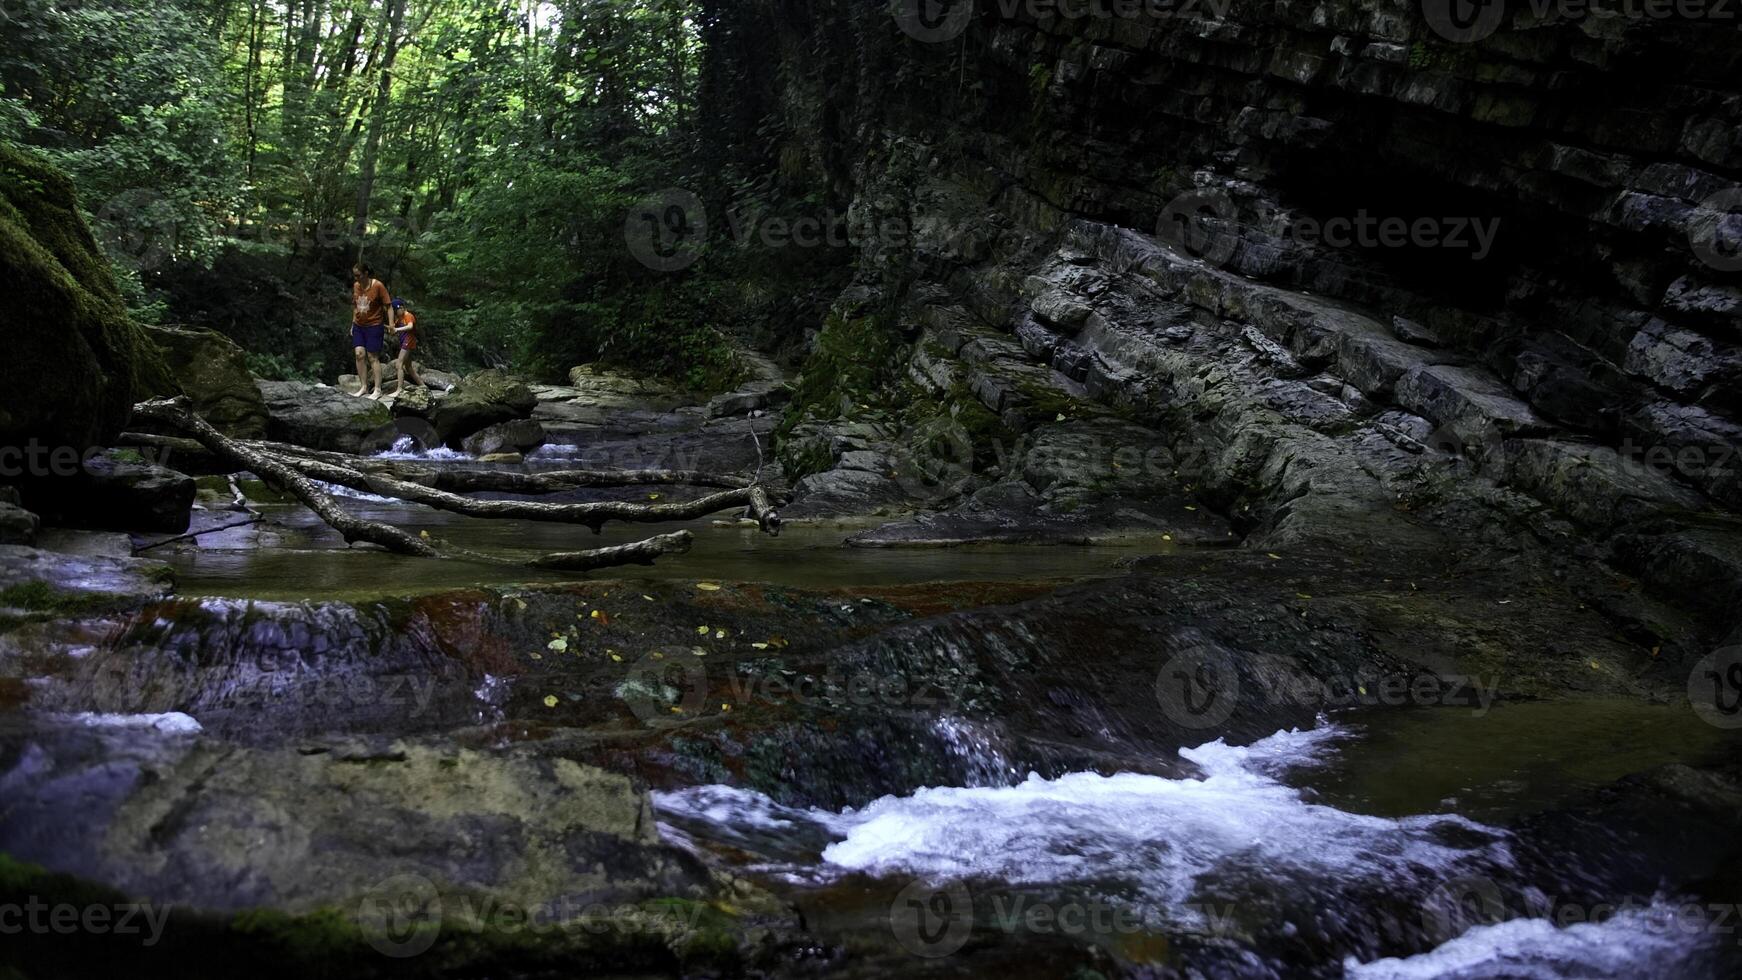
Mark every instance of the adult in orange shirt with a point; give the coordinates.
(371, 316)
(406, 332)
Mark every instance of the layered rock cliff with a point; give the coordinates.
(1359, 272)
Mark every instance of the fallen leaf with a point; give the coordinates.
(708, 586)
(1274, 555)
(719, 634)
(703, 630)
(760, 646)
(559, 645)
(617, 657)
(550, 700)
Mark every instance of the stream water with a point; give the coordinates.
(295, 557)
(1377, 845)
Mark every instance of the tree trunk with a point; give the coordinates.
(377, 120)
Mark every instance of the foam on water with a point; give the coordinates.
(407, 448)
(1657, 941)
(1153, 835)
(1148, 835)
(169, 723)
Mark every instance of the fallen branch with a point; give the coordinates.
(461, 480)
(762, 508)
(593, 514)
(638, 553)
(176, 413)
(252, 519)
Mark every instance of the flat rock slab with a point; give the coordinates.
(320, 417)
(169, 815)
(47, 581)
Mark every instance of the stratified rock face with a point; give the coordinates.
(213, 371)
(75, 363)
(320, 417)
(1338, 262)
(483, 399)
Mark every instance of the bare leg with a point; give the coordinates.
(407, 369)
(362, 378)
(375, 366)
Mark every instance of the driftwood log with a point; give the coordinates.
(177, 414)
(300, 472)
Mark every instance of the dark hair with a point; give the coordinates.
(363, 266)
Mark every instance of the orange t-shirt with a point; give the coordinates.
(369, 304)
(409, 338)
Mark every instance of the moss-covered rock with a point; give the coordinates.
(213, 371)
(76, 363)
(483, 399)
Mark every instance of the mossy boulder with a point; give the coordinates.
(76, 362)
(483, 399)
(213, 371)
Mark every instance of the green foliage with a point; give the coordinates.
(854, 356)
(223, 150)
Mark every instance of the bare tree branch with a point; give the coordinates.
(638, 553)
(176, 413)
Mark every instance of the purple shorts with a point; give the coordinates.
(368, 338)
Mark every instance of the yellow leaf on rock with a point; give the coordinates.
(708, 586)
(559, 645)
(760, 646)
(702, 630)
(550, 700)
